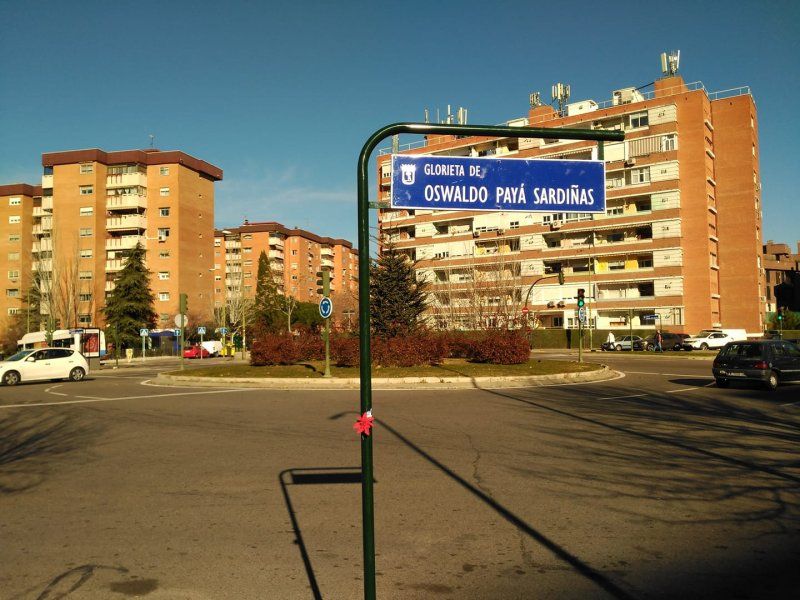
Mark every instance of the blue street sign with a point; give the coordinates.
(143, 332)
(325, 308)
(201, 330)
(498, 184)
(177, 333)
(650, 317)
(223, 330)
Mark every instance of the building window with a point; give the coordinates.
(86, 190)
(85, 232)
(86, 253)
(14, 237)
(247, 263)
(86, 211)
(294, 252)
(163, 234)
(85, 297)
(248, 288)
(247, 236)
(247, 250)
(217, 277)
(163, 296)
(163, 211)
(164, 171)
(84, 319)
(13, 311)
(12, 292)
(614, 211)
(164, 191)
(639, 120)
(87, 168)
(13, 274)
(85, 275)
(669, 142)
(14, 201)
(163, 254)
(13, 256)
(513, 225)
(616, 265)
(163, 275)
(248, 274)
(14, 219)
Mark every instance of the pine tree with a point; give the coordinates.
(268, 300)
(129, 307)
(397, 299)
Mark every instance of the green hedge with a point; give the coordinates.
(568, 338)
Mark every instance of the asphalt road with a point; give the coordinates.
(653, 485)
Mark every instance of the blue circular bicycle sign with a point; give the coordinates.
(325, 308)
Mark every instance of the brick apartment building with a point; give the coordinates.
(681, 237)
(782, 276)
(16, 237)
(91, 209)
(295, 257)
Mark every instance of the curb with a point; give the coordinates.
(386, 383)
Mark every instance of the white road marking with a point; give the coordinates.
(672, 374)
(52, 387)
(621, 397)
(92, 399)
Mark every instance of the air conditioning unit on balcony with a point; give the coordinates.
(551, 304)
(476, 234)
(501, 231)
(555, 225)
(629, 162)
(561, 304)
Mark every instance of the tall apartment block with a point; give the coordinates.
(93, 207)
(681, 236)
(16, 237)
(295, 256)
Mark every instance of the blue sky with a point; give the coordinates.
(282, 95)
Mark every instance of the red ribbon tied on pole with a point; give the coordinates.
(364, 423)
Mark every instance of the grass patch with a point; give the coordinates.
(452, 367)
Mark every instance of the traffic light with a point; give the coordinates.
(183, 305)
(780, 314)
(581, 300)
(561, 277)
(324, 283)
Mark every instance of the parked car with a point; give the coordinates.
(196, 352)
(624, 343)
(669, 341)
(43, 363)
(765, 361)
(708, 339)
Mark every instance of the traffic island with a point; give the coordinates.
(451, 374)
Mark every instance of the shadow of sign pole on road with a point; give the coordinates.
(362, 177)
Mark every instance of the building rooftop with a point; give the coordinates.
(149, 156)
(274, 226)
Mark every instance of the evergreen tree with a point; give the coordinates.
(397, 299)
(268, 300)
(129, 307)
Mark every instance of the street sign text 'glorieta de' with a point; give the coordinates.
(498, 184)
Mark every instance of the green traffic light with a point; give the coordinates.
(580, 303)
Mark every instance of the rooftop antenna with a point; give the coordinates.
(152, 140)
(536, 99)
(560, 93)
(427, 116)
(670, 62)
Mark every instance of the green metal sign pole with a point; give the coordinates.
(362, 175)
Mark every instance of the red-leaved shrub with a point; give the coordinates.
(273, 349)
(501, 348)
(310, 346)
(408, 351)
(345, 351)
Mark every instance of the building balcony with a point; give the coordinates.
(124, 242)
(126, 180)
(326, 252)
(126, 222)
(126, 201)
(47, 203)
(110, 285)
(47, 223)
(276, 243)
(233, 244)
(38, 211)
(42, 265)
(37, 229)
(277, 266)
(325, 262)
(115, 264)
(47, 182)
(276, 254)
